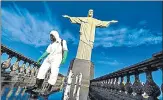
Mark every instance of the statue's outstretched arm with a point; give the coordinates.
(77, 20)
(100, 23)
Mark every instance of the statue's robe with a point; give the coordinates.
(87, 34)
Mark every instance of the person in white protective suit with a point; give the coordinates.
(55, 54)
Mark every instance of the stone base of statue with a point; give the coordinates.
(83, 72)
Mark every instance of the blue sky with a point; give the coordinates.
(137, 35)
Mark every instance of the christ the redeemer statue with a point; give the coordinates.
(87, 33)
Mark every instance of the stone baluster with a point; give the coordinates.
(6, 64)
(114, 92)
(117, 85)
(102, 84)
(120, 88)
(27, 70)
(27, 75)
(112, 88)
(96, 84)
(105, 85)
(104, 89)
(21, 74)
(32, 76)
(22, 68)
(35, 74)
(15, 66)
(33, 71)
(150, 87)
(112, 84)
(100, 89)
(99, 84)
(122, 85)
(36, 71)
(108, 85)
(137, 87)
(128, 86)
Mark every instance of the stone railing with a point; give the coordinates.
(113, 86)
(20, 76)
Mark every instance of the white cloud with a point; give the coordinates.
(111, 63)
(48, 11)
(18, 24)
(125, 36)
(104, 59)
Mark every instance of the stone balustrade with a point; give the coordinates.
(20, 76)
(113, 87)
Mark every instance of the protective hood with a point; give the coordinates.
(56, 35)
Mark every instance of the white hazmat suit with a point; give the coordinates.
(53, 60)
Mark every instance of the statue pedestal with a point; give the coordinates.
(78, 67)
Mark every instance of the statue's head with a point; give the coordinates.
(90, 13)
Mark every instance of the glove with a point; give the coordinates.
(39, 61)
(63, 61)
(42, 57)
(64, 57)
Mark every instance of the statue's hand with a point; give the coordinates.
(66, 16)
(114, 21)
